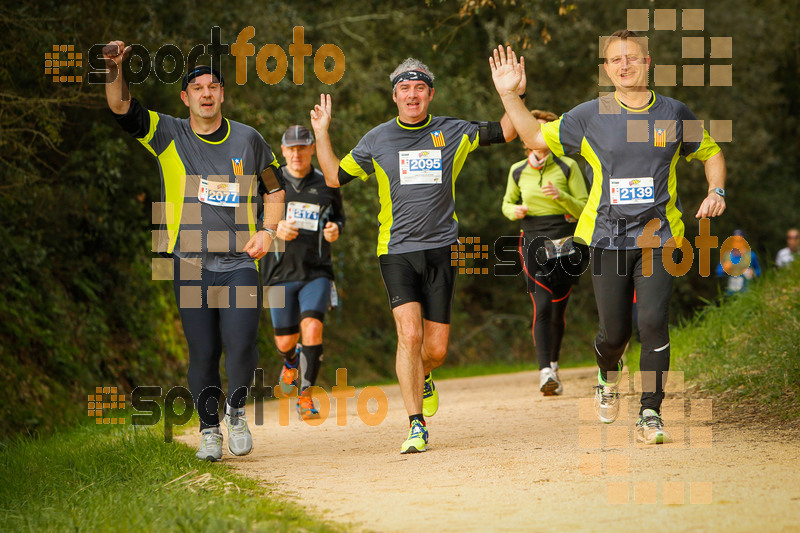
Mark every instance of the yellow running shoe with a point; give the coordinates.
(430, 397)
(417, 440)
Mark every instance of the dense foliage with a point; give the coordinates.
(78, 308)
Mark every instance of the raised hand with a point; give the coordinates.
(115, 53)
(321, 114)
(507, 72)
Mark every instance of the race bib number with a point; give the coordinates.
(559, 247)
(304, 216)
(421, 167)
(219, 193)
(632, 191)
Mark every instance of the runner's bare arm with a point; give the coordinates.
(258, 245)
(320, 121)
(509, 132)
(716, 172)
(117, 94)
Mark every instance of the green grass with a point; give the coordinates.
(744, 348)
(102, 478)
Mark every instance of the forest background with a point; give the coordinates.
(78, 307)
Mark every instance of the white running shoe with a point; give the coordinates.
(549, 383)
(650, 429)
(240, 442)
(210, 445)
(606, 398)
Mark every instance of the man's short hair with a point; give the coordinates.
(624, 35)
(408, 65)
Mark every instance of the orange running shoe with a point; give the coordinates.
(305, 407)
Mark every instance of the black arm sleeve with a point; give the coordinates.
(344, 177)
(136, 121)
(338, 209)
(490, 133)
(271, 181)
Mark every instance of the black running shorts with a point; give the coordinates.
(426, 277)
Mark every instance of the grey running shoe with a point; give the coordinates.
(606, 398)
(549, 383)
(210, 445)
(240, 442)
(650, 429)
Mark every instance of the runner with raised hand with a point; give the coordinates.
(209, 166)
(415, 159)
(631, 139)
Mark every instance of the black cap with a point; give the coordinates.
(199, 71)
(297, 136)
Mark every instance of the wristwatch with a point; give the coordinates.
(272, 232)
(718, 190)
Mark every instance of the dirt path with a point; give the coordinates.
(503, 457)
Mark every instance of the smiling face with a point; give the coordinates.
(298, 159)
(204, 96)
(627, 64)
(412, 98)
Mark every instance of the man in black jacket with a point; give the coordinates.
(300, 278)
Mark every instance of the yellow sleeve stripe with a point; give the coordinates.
(150, 133)
(552, 136)
(349, 165)
(707, 149)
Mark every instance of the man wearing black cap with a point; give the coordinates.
(300, 279)
(209, 167)
(415, 158)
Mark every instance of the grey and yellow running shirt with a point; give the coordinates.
(416, 169)
(631, 156)
(208, 187)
